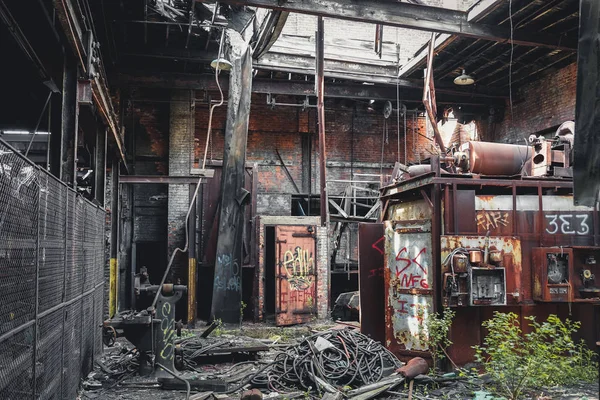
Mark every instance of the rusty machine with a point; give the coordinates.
(151, 330)
(489, 227)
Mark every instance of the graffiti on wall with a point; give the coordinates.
(409, 319)
(489, 220)
(167, 326)
(299, 267)
(409, 279)
(230, 278)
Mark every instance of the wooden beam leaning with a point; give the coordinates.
(412, 16)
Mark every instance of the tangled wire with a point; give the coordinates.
(338, 357)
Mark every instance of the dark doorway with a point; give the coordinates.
(269, 271)
(152, 255)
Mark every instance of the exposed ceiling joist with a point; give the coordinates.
(412, 16)
(410, 92)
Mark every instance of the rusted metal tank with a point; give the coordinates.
(497, 158)
(416, 170)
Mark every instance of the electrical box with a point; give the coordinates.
(488, 286)
(475, 270)
(566, 274)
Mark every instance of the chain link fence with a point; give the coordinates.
(51, 282)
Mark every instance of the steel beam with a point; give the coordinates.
(168, 179)
(410, 88)
(412, 16)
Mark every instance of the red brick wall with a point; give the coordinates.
(543, 104)
(352, 135)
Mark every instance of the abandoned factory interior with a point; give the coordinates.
(294, 199)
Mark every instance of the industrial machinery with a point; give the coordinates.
(151, 330)
(490, 227)
(474, 275)
(566, 274)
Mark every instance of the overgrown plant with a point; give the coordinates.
(437, 337)
(521, 363)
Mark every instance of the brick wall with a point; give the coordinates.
(354, 141)
(540, 105)
(181, 122)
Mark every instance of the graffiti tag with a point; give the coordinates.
(168, 330)
(377, 243)
(228, 276)
(410, 271)
(567, 224)
(492, 219)
(299, 268)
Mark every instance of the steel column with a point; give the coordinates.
(192, 309)
(100, 165)
(227, 290)
(114, 239)
(70, 111)
(320, 89)
(586, 175)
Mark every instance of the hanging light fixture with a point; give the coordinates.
(222, 63)
(464, 79)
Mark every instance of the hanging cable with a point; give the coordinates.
(37, 125)
(187, 217)
(512, 48)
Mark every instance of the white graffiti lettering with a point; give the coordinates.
(566, 224)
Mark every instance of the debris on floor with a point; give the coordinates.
(336, 363)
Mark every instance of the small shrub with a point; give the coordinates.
(437, 336)
(520, 363)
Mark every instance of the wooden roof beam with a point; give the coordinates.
(412, 16)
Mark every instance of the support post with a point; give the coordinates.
(320, 89)
(70, 111)
(586, 176)
(192, 270)
(114, 240)
(227, 289)
(100, 165)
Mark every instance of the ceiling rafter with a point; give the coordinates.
(412, 16)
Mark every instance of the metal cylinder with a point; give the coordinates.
(415, 366)
(497, 158)
(416, 170)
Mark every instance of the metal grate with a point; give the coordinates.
(16, 380)
(52, 259)
(53, 197)
(49, 356)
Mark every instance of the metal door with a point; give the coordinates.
(371, 245)
(408, 275)
(295, 274)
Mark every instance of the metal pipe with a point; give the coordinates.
(497, 158)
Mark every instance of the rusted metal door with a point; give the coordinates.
(370, 265)
(295, 274)
(409, 278)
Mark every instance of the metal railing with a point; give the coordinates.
(51, 282)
